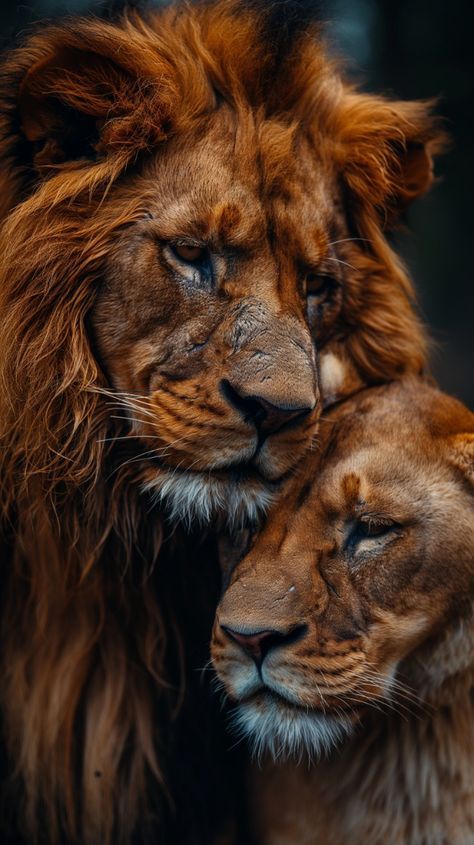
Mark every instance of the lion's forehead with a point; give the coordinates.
(233, 189)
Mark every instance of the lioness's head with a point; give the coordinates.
(369, 557)
(191, 203)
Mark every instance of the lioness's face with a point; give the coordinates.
(370, 555)
(204, 321)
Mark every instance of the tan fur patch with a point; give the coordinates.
(351, 489)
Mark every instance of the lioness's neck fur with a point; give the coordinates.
(405, 778)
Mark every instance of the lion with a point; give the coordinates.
(194, 204)
(346, 633)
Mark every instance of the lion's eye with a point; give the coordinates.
(373, 527)
(191, 254)
(317, 284)
(193, 262)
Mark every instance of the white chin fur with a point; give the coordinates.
(194, 497)
(286, 731)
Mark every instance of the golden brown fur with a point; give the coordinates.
(363, 582)
(118, 140)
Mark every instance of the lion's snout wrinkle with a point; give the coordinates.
(273, 365)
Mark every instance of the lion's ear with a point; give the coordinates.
(386, 151)
(461, 454)
(90, 90)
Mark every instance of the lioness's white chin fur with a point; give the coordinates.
(195, 497)
(285, 731)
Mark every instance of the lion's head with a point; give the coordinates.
(189, 204)
(193, 205)
(370, 557)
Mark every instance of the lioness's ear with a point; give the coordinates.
(89, 89)
(386, 151)
(461, 454)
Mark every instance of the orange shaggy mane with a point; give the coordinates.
(83, 630)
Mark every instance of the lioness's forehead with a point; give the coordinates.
(386, 469)
(385, 452)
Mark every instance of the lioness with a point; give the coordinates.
(346, 634)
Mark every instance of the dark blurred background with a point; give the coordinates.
(409, 48)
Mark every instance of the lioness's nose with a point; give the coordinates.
(269, 417)
(257, 644)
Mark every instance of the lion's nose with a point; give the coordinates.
(257, 644)
(267, 416)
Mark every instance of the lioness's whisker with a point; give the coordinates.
(402, 691)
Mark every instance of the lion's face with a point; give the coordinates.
(198, 213)
(369, 557)
(203, 320)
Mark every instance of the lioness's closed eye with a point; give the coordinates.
(350, 619)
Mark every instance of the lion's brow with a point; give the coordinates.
(228, 222)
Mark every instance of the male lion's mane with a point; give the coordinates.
(84, 626)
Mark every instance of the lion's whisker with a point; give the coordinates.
(129, 419)
(346, 240)
(136, 407)
(129, 436)
(338, 261)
